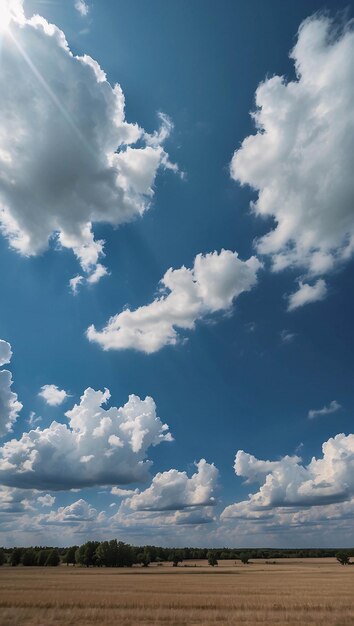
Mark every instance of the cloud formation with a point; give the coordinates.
(82, 7)
(5, 352)
(53, 395)
(68, 157)
(10, 406)
(97, 447)
(300, 159)
(173, 490)
(210, 286)
(290, 484)
(307, 294)
(333, 407)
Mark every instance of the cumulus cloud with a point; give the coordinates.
(288, 483)
(13, 500)
(75, 513)
(300, 159)
(53, 395)
(173, 490)
(307, 294)
(210, 286)
(5, 352)
(68, 157)
(10, 406)
(333, 407)
(46, 500)
(98, 446)
(82, 7)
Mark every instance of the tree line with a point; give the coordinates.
(116, 553)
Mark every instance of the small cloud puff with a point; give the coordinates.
(53, 395)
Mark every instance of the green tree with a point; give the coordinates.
(144, 558)
(212, 560)
(86, 554)
(16, 556)
(343, 557)
(42, 556)
(114, 554)
(2, 557)
(245, 558)
(53, 558)
(175, 558)
(69, 557)
(29, 557)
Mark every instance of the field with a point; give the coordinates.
(289, 592)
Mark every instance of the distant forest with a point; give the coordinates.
(119, 554)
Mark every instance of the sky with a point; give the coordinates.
(176, 270)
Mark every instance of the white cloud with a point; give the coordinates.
(13, 500)
(212, 285)
(46, 500)
(68, 157)
(9, 403)
(52, 458)
(10, 406)
(75, 283)
(173, 490)
(307, 294)
(123, 493)
(333, 407)
(75, 513)
(82, 7)
(300, 159)
(52, 395)
(5, 352)
(288, 483)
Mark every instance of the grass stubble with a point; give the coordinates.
(309, 592)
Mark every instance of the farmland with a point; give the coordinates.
(287, 592)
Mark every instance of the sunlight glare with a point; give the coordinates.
(5, 17)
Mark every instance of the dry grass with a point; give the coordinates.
(291, 592)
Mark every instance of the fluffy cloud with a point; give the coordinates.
(13, 500)
(9, 403)
(173, 490)
(46, 500)
(5, 352)
(212, 285)
(52, 395)
(97, 447)
(288, 483)
(333, 407)
(300, 159)
(307, 293)
(68, 157)
(75, 513)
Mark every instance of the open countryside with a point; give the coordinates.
(285, 591)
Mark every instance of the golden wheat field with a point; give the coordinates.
(306, 592)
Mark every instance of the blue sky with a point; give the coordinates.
(233, 360)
